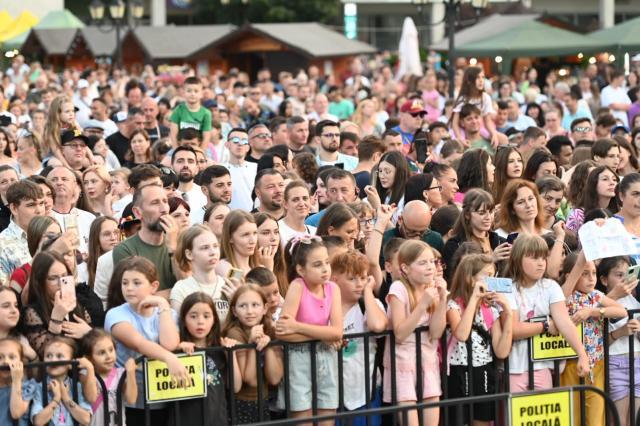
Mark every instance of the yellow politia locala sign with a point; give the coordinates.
(542, 409)
(547, 347)
(160, 386)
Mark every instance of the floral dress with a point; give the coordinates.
(593, 328)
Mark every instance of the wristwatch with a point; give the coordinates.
(545, 326)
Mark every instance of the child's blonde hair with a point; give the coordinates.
(409, 251)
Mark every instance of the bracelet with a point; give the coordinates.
(55, 321)
(545, 326)
(378, 231)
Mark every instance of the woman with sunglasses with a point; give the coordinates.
(474, 225)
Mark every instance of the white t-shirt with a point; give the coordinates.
(104, 271)
(620, 346)
(353, 371)
(243, 180)
(119, 205)
(84, 219)
(532, 302)
(287, 233)
(615, 95)
(196, 200)
(187, 286)
(484, 104)
(481, 349)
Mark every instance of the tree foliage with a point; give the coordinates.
(257, 11)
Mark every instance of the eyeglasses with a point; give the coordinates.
(262, 136)
(411, 233)
(75, 145)
(330, 135)
(367, 222)
(239, 141)
(582, 129)
(438, 187)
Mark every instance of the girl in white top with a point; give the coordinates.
(297, 205)
(472, 92)
(534, 296)
(612, 275)
(198, 251)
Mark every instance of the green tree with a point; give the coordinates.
(258, 11)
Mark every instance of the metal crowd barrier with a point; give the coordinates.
(38, 371)
(372, 387)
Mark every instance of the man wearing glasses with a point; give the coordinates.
(260, 141)
(328, 155)
(411, 116)
(74, 147)
(413, 224)
(243, 173)
(582, 130)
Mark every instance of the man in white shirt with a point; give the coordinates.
(518, 120)
(615, 97)
(184, 162)
(321, 109)
(243, 173)
(100, 114)
(64, 210)
(329, 133)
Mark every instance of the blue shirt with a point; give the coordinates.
(61, 416)
(28, 390)
(314, 219)
(407, 138)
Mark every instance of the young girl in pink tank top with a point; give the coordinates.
(311, 311)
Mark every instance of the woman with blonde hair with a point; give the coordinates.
(96, 187)
(365, 117)
(28, 154)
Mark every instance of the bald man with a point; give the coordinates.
(413, 224)
(151, 124)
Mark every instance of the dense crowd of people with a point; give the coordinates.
(145, 214)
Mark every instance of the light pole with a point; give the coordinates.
(451, 19)
(117, 9)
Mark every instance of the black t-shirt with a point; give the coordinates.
(5, 216)
(153, 132)
(363, 179)
(119, 144)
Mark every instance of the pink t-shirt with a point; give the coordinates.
(313, 310)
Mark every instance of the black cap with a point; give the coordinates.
(72, 134)
(128, 218)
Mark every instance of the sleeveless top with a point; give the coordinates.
(313, 310)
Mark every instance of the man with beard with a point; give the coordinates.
(329, 133)
(157, 238)
(184, 162)
(269, 189)
(215, 184)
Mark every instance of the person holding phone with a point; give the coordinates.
(475, 224)
(390, 180)
(52, 307)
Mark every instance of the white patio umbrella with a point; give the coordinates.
(408, 50)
